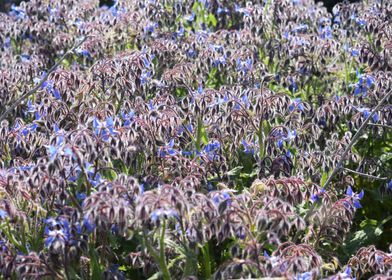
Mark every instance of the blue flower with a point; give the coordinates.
(59, 149)
(300, 28)
(245, 100)
(150, 28)
(56, 94)
(355, 197)
(151, 106)
(297, 103)
(354, 52)
(190, 18)
(83, 52)
(326, 32)
(144, 77)
(186, 153)
(56, 230)
(361, 22)
(90, 226)
(316, 197)
(81, 196)
(127, 117)
(389, 186)
(7, 42)
(376, 117)
(180, 33)
(53, 151)
(365, 82)
(104, 129)
(25, 58)
(3, 214)
(346, 275)
(212, 147)
(191, 53)
(218, 198)
(248, 148)
(190, 128)
(293, 87)
(167, 150)
(222, 10)
(17, 12)
(244, 66)
(158, 213)
(30, 107)
(241, 10)
(304, 276)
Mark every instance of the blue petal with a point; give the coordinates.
(376, 117)
(349, 191)
(49, 241)
(109, 121)
(314, 197)
(357, 204)
(390, 185)
(360, 195)
(3, 214)
(56, 94)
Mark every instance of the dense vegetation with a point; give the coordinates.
(205, 139)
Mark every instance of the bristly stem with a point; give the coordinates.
(159, 257)
(162, 261)
(348, 148)
(366, 175)
(16, 102)
(354, 139)
(381, 125)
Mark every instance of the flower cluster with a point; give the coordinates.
(192, 139)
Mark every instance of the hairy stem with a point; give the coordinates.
(16, 102)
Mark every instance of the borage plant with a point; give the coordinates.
(195, 140)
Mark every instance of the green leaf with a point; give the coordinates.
(324, 178)
(235, 171)
(211, 20)
(201, 136)
(249, 175)
(95, 266)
